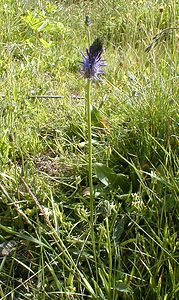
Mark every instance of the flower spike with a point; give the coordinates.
(92, 63)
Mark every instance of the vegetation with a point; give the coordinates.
(46, 247)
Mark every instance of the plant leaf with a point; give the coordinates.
(122, 287)
(109, 178)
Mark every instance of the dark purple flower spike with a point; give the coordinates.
(92, 63)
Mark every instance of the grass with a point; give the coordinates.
(46, 250)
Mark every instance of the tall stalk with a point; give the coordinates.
(88, 106)
(90, 165)
(91, 68)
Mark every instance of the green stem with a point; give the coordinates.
(89, 38)
(109, 256)
(88, 108)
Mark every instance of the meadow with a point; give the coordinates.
(47, 247)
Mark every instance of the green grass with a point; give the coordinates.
(46, 250)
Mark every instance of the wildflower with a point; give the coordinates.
(92, 63)
(88, 21)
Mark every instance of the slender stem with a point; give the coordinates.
(88, 113)
(109, 255)
(89, 38)
(88, 107)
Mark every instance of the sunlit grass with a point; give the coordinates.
(45, 245)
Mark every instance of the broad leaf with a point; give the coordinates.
(109, 178)
(123, 287)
